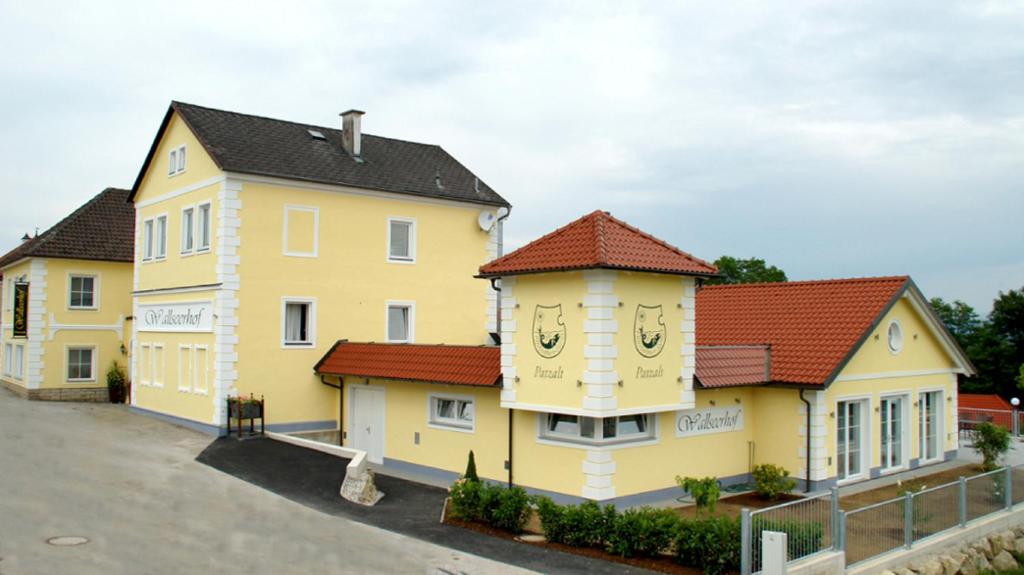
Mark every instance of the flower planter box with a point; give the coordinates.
(242, 408)
(245, 410)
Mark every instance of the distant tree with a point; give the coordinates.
(746, 271)
(960, 319)
(1020, 377)
(1006, 324)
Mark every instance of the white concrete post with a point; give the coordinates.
(773, 553)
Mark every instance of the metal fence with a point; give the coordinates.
(901, 522)
(817, 524)
(808, 523)
(970, 418)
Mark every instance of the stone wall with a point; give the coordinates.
(996, 552)
(86, 394)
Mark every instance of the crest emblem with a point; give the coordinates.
(649, 330)
(548, 330)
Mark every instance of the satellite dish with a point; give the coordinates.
(486, 220)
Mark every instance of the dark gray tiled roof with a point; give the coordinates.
(261, 146)
(102, 229)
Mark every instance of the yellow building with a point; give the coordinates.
(261, 242)
(66, 303)
(332, 273)
(618, 372)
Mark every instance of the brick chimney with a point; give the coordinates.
(351, 132)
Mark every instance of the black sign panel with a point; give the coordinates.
(20, 328)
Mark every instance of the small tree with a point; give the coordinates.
(705, 492)
(772, 480)
(115, 383)
(1020, 377)
(471, 469)
(992, 442)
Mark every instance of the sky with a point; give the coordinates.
(833, 139)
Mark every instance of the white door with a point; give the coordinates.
(892, 432)
(850, 439)
(930, 424)
(367, 427)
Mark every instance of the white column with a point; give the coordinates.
(600, 352)
(34, 351)
(688, 349)
(225, 303)
(508, 348)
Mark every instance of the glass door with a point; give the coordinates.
(849, 435)
(892, 432)
(928, 423)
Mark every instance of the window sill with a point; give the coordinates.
(598, 446)
(297, 345)
(451, 427)
(405, 261)
(80, 381)
(79, 308)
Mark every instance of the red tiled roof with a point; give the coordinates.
(982, 401)
(597, 240)
(451, 364)
(811, 326)
(731, 365)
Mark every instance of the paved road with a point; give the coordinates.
(131, 485)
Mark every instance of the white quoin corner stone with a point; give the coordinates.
(600, 377)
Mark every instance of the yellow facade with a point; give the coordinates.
(57, 327)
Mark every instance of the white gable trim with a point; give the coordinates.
(949, 345)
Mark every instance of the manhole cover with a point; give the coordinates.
(67, 540)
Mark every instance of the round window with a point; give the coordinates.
(895, 337)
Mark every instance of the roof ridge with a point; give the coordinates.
(660, 241)
(601, 243)
(299, 124)
(405, 344)
(865, 279)
(550, 234)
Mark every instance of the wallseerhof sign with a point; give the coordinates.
(708, 420)
(194, 316)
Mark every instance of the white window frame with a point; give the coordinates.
(145, 363)
(411, 328)
(434, 420)
(867, 436)
(199, 247)
(200, 373)
(19, 361)
(160, 249)
(544, 436)
(148, 234)
(95, 291)
(177, 161)
(188, 232)
(940, 425)
(185, 375)
(95, 356)
(310, 322)
(8, 359)
(902, 337)
(411, 259)
(906, 440)
(316, 231)
(158, 375)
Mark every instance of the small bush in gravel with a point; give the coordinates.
(772, 480)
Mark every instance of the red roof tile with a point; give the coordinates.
(811, 326)
(451, 364)
(731, 365)
(597, 240)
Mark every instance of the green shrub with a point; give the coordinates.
(588, 524)
(711, 544)
(992, 442)
(471, 468)
(115, 383)
(510, 509)
(802, 537)
(705, 492)
(772, 480)
(643, 532)
(466, 499)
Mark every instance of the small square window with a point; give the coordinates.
(298, 324)
(82, 292)
(401, 240)
(181, 159)
(399, 323)
(172, 163)
(455, 412)
(80, 364)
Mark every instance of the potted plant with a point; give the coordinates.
(115, 383)
(245, 407)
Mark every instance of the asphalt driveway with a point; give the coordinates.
(132, 486)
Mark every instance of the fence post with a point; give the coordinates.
(835, 514)
(745, 542)
(1008, 487)
(908, 519)
(963, 502)
(841, 532)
